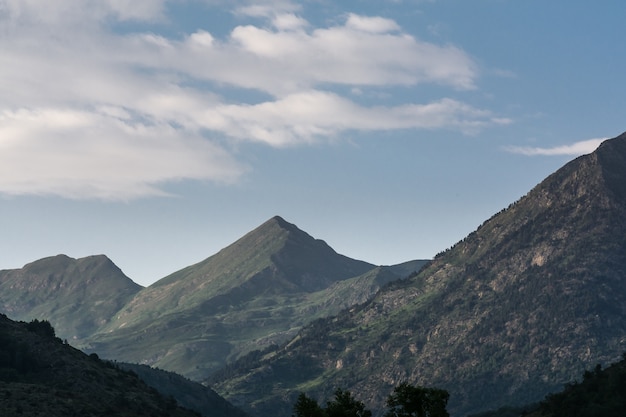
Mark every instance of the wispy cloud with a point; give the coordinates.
(86, 112)
(574, 149)
(101, 154)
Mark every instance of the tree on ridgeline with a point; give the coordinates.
(415, 401)
(307, 407)
(345, 405)
(405, 401)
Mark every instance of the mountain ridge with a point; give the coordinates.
(41, 375)
(78, 295)
(218, 274)
(514, 310)
(255, 292)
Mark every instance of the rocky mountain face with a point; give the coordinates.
(521, 306)
(77, 295)
(40, 375)
(254, 293)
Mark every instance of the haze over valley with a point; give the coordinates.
(271, 208)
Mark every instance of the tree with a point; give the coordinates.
(345, 405)
(42, 328)
(307, 407)
(415, 401)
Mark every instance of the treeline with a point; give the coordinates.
(405, 401)
(16, 357)
(601, 393)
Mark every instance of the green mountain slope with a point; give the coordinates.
(275, 258)
(42, 376)
(76, 295)
(258, 291)
(515, 310)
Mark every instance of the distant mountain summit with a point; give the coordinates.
(519, 307)
(257, 291)
(78, 295)
(274, 258)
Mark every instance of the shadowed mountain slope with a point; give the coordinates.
(42, 376)
(188, 394)
(600, 393)
(76, 295)
(258, 291)
(515, 310)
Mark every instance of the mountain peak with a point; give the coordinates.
(76, 295)
(62, 261)
(278, 221)
(276, 246)
(611, 156)
(253, 288)
(618, 142)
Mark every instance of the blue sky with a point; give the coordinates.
(159, 131)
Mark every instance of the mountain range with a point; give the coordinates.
(519, 307)
(256, 292)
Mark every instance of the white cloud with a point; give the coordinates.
(289, 21)
(574, 149)
(137, 9)
(308, 116)
(88, 113)
(70, 12)
(104, 155)
(281, 60)
(266, 8)
(371, 24)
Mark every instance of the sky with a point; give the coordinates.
(157, 132)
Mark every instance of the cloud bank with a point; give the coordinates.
(88, 112)
(574, 149)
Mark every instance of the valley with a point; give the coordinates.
(517, 309)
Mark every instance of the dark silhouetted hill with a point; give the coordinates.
(42, 376)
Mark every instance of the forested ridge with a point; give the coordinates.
(42, 375)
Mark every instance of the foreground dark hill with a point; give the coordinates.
(77, 295)
(260, 290)
(600, 393)
(42, 376)
(518, 308)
